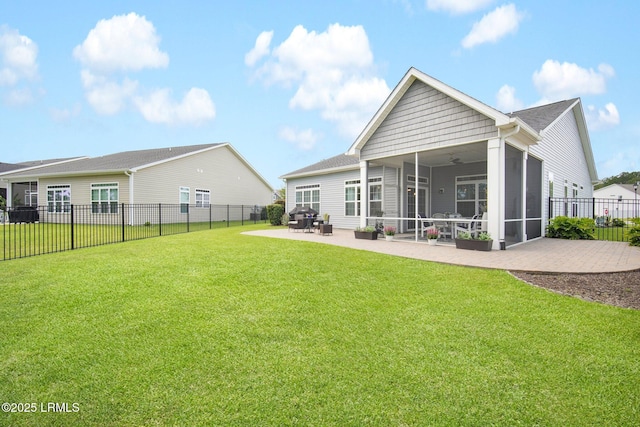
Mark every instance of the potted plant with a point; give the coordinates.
(369, 232)
(389, 232)
(466, 240)
(432, 236)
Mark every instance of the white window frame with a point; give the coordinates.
(352, 198)
(308, 195)
(480, 205)
(203, 198)
(63, 191)
(373, 209)
(108, 206)
(184, 205)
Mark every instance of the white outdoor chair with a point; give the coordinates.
(443, 226)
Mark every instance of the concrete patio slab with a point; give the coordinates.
(542, 255)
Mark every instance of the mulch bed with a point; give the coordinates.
(619, 289)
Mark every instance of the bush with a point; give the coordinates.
(274, 213)
(634, 233)
(563, 227)
(617, 222)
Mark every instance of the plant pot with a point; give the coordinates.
(432, 242)
(475, 245)
(367, 235)
(388, 237)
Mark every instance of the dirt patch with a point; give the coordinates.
(619, 289)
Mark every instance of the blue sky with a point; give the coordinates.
(291, 83)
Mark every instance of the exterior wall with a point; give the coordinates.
(425, 119)
(219, 170)
(332, 193)
(81, 187)
(445, 178)
(563, 158)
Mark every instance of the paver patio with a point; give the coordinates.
(542, 255)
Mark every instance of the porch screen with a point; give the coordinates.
(513, 196)
(534, 198)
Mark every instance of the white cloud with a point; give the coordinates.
(303, 140)
(196, 107)
(457, 6)
(65, 114)
(19, 97)
(129, 43)
(333, 72)
(600, 119)
(506, 100)
(18, 56)
(493, 26)
(556, 81)
(124, 42)
(260, 50)
(105, 95)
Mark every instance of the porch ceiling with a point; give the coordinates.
(445, 156)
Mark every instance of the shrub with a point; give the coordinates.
(274, 213)
(634, 233)
(617, 222)
(563, 227)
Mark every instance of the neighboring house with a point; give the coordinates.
(617, 201)
(200, 175)
(433, 149)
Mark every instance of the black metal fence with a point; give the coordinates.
(29, 231)
(613, 217)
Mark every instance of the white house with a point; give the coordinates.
(617, 201)
(200, 175)
(433, 149)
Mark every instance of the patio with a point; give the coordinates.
(541, 255)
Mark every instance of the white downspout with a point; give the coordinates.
(131, 197)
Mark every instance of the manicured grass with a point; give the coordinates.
(219, 328)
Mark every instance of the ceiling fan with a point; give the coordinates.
(455, 160)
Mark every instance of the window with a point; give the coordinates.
(104, 198)
(352, 198)
(203, 198)
(58, 198)
(471, 195)
(308, 195)
(184, 199)
(375, 196)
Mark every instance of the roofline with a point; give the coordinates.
(169, 159)
(325, 171)
(28, 168)
(501, 120)
(586, 141)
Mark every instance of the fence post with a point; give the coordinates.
(228, 216)
(210, 224)
(123, 222)
(72, 230)
(160, 218)
(242, 214)
(593, 208)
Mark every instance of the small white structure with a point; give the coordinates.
(617, 201)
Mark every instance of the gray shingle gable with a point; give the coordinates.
(539, 118)
(122, 161)
(335, 162)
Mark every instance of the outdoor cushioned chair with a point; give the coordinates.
(298, 223)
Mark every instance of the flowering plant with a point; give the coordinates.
(389, 230)
(432, 233)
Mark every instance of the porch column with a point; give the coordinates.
(525, 157)
(495, 190)
(364, 192)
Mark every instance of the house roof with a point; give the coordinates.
(502, 121)
(118, 162)
(330, 165)
(540, 118)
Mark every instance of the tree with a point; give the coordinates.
(623, 178)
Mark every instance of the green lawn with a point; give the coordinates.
(219, 328)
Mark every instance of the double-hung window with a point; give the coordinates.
(104, 198)
(203, 198)
(184, 199)
(308, 195)
(375, 196)
(58, 198)
(352, 198)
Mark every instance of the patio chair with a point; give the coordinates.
(468, 227)
(443, 226)
(424, 224)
